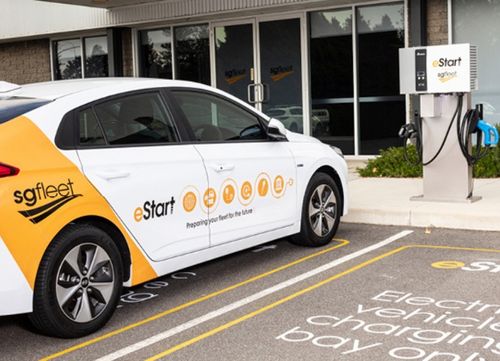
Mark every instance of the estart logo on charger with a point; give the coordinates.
(445, 62)
(50, 196)
(153, 209)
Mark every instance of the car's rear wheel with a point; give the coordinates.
(79, 283)
(321, 211)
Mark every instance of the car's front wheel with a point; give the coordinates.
(320, 212)
(79, 283)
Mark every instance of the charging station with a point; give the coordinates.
(444, 77)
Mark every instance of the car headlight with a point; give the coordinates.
(337, 150)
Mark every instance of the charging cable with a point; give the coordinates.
(414, 131)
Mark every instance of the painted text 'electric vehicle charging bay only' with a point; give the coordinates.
(112, 182)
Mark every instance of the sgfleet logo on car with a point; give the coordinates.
(153, 209)
(53, 197)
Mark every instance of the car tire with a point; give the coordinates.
(79, 283)
(321, 212)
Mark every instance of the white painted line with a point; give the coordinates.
(247, 300)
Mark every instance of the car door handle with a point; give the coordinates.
(223, 167)
(110, 175)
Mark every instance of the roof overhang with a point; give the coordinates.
(107, 4)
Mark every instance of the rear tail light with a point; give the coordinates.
(7, 170)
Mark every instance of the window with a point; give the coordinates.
(476, 22)
(214, 119)
(382, 108)
(365, 40)
(96, 57)
(68, 55)
(90, 130)
(13, 107)
(332, 86)
(187, 46)
(68, 59)
(156, 53)
(192, 54)
(136, 119)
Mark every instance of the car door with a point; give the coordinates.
(251, 178)
(130, 150)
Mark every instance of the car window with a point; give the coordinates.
(90, 130)
(214, 119)
(13, 107)
(136, 119)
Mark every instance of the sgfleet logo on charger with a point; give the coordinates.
(154, 209)
(57, 195)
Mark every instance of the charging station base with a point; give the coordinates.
(422, 198)
(449, 177)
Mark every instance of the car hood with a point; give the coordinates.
(300, 138)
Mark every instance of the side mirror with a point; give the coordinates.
(276, 130)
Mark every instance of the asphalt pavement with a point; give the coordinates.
(375, 293)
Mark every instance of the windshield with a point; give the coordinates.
(13, 107)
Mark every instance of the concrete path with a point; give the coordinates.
(386, 201)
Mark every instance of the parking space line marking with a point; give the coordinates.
(342, 243)
(247, 300)
(301, 292)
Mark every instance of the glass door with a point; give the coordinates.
(234, 60)
(280, 71)
(260, 61)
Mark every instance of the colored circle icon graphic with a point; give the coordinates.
(246, 190)
(210, 197)
(279, 184)
(228, 194)
(263, 187)
(189, 201)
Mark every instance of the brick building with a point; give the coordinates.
(328, 68)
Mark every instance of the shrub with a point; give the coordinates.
(392, 163)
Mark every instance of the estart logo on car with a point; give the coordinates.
(153, 209)
(57, 195)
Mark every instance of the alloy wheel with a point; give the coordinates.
(85, 282)
(322, 210)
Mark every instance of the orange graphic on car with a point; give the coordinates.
(189, 201)
(263, 187)
(229, 190)
(246, 191)
(228, 194)
(279, 184)
(210, 197)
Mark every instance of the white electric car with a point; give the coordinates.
(107, 183)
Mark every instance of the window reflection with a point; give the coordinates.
(332, 117)
(156, 53)
(487, 38)
(192, 54)
(67, 58)
(96, 57)
(381, 107)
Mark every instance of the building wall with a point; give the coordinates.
(24, 62)
(437, 22)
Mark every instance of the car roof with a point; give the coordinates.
(53, 90)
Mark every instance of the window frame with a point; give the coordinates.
(67, 136)
(81, 39)
(185, 123)
(137, 43)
